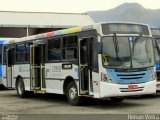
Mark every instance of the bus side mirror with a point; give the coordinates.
(99, 47)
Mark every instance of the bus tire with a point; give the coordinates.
(116, 99)
(72, 94)
(21, 89)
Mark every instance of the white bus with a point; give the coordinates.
(106, 60)
(156, 43)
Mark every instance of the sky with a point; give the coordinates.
(70, 6)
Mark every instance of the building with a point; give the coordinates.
(19, 24)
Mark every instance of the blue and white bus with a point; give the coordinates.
(156, 42)
(105, 60)
(1, 44)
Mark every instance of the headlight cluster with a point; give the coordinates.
(105, 78)
(153, 76)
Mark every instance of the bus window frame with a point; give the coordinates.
(61, 48)
(17, 62)
(64, 48)
(46, 51)
(23, 62)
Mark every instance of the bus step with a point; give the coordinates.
(40, 91)
(37, 88)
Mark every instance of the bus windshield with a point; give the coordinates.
(127, 52)
(157, 50)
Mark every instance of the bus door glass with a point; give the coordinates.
(37, 67)
(10, 61)
(85, 57)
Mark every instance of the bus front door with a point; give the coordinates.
(37, 67)
(85, 57)
(10, 61)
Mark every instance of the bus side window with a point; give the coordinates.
(69, 47)
(20, 56)
(27, 52)
(54, 51)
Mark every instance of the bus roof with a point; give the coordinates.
(65, 32)
(51, 34)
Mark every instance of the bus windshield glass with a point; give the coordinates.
(157, 50)
(127, 52)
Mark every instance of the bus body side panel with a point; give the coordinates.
(13, 78)
(4, 75)
(96, 84)
(55, 75)
(24, 72)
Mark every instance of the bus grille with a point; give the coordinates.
(131, 76)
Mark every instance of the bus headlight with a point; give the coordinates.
(153, 77)
(105, 78)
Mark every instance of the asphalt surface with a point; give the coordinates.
(51, 105)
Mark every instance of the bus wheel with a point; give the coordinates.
(116, 99)
(21, 89)
(72, 94)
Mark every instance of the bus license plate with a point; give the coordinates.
(132, 86)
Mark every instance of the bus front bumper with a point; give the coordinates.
(120, 90)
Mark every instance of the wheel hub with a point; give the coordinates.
(72, 93)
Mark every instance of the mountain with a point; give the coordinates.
(129, 12)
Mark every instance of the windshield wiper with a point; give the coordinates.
(115, 41)
(132, 48)
(134, 42)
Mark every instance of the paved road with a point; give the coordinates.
(57, 104)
